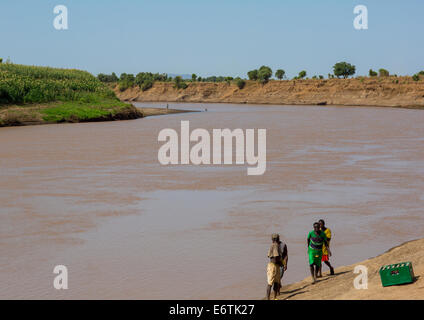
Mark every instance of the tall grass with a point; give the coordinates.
(28, 84)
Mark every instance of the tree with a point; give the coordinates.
(302, 74)
(240, 83)
(383, 73)
(179, 83)
(193, 77)
(372, 73)
(1, 60)
(344, 69)
(147, 84)
(279, 74)
(114, 77)
(264, 74)
(253, 74)
(416, 77)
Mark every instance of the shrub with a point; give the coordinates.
(253, 74)
(146, 85)
(321, 77)
(372, 73)
(108, 78)
(240, 83)
(344, 69)
(383, 73)
(179, 83)
(124, 85)
(302, 74)
(416, 77)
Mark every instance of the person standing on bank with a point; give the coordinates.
(315, 241)
(284, 261)
(276, 256)
(325, 253)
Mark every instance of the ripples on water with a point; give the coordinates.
(93, 196)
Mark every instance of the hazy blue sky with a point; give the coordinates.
(219, 37)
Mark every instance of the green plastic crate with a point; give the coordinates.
(395, 274)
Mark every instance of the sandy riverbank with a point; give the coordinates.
(147, 112)
(341, 286)
(385, 92)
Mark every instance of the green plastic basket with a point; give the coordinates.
(395, 274)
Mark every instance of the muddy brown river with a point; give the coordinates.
(93, 197)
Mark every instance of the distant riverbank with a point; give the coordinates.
(402, 92)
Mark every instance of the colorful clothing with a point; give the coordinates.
(328, 235)
(316, 242)
(325, 258)
(315, 257)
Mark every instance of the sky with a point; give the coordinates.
(214, 37)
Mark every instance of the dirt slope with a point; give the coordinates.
(341, 286)
(389, 92)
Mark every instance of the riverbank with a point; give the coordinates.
(340, 286)
(147, 112)
(402, 92)
(31, 95)
(67, 112)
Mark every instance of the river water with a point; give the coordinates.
(93, 197)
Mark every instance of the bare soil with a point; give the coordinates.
(400, 92)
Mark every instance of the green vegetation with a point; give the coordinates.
(344, 69)
(416, 77)
(77, 111)
(383, 73)
(145, 80)
(253, 75)
(41, 94)
(240, 83)
(302, 74)
(25, 84)
(372, 73)
(179, 83)
(280, 74)
(108, 78)
(263, 74)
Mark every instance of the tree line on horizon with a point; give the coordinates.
(145, 80)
